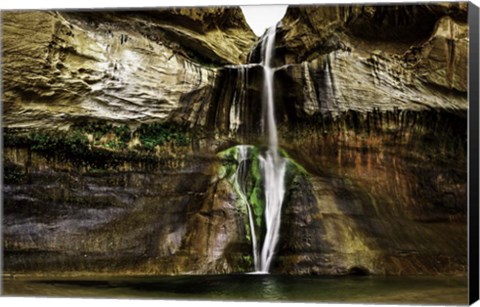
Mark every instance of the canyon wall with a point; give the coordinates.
(115, 124)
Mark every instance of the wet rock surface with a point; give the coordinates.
(137, 219)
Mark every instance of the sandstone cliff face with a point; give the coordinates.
(348, 58)
(379, 111)
(143, 217)
(373, 111)
(119, 66)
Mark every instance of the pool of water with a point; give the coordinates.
(352, 289)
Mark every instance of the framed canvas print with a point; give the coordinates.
(282, 153)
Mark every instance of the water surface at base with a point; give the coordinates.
(251, 287)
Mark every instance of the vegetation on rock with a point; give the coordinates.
(98, 143)
(152, 135)
(253, 187)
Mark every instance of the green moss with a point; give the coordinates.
(97, 128)
(74, 146)
(229, 154)
(256, 195)
(151, 135)
(247, 261)
(257, 202)
(14, 137)
(72, 143)
(253, 183)
(222, 172)
(97, 142)
(292, 165)
(119, 136)
(123, 133)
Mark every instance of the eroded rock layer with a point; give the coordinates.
(126, 67)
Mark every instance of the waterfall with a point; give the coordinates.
(273, 166)
(238, 100)
(240, 179)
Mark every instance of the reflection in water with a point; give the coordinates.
(252, 287)
(272, 290)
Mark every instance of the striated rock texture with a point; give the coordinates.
(128, 67)
(142, 217)
(113, 193)
(114, 121)
(377, 114)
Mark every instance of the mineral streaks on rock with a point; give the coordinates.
(342, 81)
(328, 63)
(444, 57)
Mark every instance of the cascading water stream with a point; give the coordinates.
(240, 180)
(273, 166)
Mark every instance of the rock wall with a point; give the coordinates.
(143, 217)
(377, 115)
(113, 122)
(121, 66)
(387, 198)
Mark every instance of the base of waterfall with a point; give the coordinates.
(260, 180)
(424, 290)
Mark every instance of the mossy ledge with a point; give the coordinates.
(97, 144)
